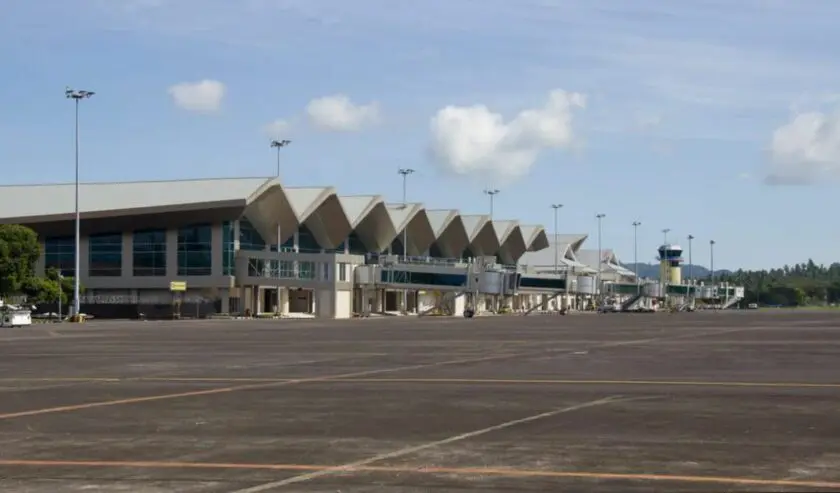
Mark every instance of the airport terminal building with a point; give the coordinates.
(253, 245)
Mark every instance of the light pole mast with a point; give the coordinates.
(556, 208)
(405, 172)
(77, 96)
(712, 259)
(600, 254)
(279, 144)
(636, 225)
(692, 289)
(690, 263)
(491, 193)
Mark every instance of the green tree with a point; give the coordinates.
(42, 290)
(19, 251)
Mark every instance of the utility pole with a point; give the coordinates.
(556, 208)
(491, 193)
(405, 172)
(636, 225)
(77, 96)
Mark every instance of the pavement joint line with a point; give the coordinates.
(489, 471)
(564, 351)
(489, 381)
(265, 385)
(437, 443)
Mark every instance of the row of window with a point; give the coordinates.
(105, 253)
(194, 255)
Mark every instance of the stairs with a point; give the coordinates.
(632, 303)
(731, 302)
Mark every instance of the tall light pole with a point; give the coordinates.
(636, 225)
(712, 260)
(600, 254)
(279, 144)
(491, 193)
(665, 235)
(405, 172)
(690, 263)
(556, 208)
(77, 96)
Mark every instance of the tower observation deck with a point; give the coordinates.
(670, 261)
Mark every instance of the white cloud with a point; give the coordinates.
(278, 129)
(203, 96)
(337, 113)
(474, 139)
(806, 149)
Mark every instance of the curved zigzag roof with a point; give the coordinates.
(277, 211)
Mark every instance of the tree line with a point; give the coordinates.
(801, 284)
(19, 253)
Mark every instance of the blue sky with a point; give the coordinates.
(714, 118)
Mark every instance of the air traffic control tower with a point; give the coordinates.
(670, 260)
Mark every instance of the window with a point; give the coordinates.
(326, 271)
(342, 271)
(306, 270)
(228, 249)
(105, 255)
(249, 237)
(60, 254)
(356, 247)
(149, 252)
(195, 245)
(306, 241)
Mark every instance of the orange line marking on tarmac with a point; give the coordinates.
(596, 382)
(488, 471)
(236, 388)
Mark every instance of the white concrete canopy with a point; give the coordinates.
(450, 234)
(511, 243)
(535, 237)
(609, 262)
(56, 202)
(370, 220)
(316, 207)
(575, 240)
(543, 260)
(482, 234)
(413, 219)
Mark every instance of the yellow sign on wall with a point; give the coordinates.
(178, 286)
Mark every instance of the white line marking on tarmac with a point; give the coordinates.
(410, 450)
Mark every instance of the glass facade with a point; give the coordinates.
(434, 251)
(149, 252)
(60, 254)
(228, 249)
(195, 247)
(397, 246)
(306, 241)
(105, 255)
(356, 247)
(249, 237)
